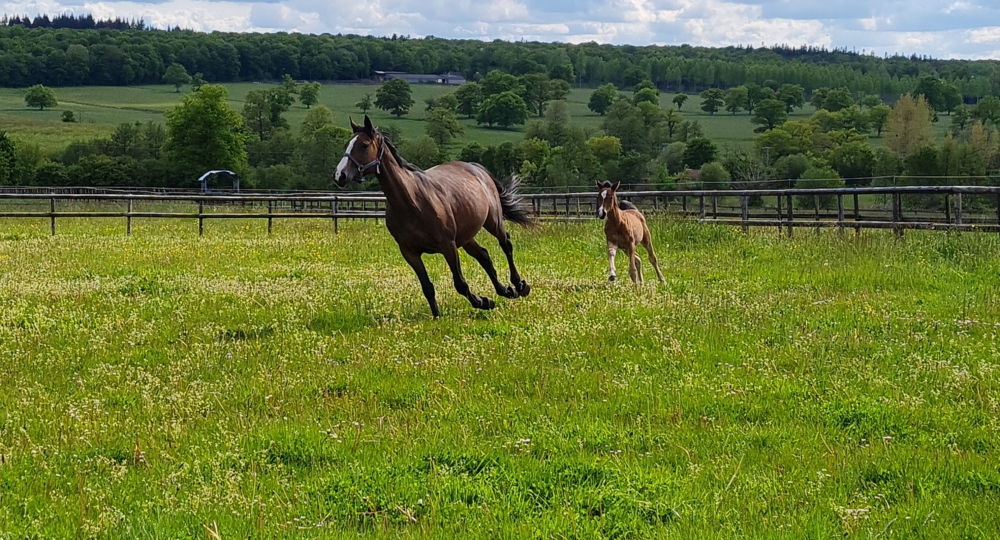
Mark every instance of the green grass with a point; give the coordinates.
(101, 109)
(294, 385)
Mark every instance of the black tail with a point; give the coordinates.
(510, 200)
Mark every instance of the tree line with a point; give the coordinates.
(640, 142)
(65, 56)
(76, 22)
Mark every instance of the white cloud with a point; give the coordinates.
(959, 6)
(984, 35)
(193, 14)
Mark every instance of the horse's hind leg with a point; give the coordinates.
(483, 257)
(647, 243)
(497, 229)
(479, 302)
(417, 264)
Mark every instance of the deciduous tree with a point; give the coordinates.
(793, 96)
(394, 97)
(699, 151)
(365, 103)
(205, 133)
(177, 76)
(443, 126)
(40, 96)
(908, 128)
(878, 116)
(469, 96)
(504, 109)
(602, 98)
(309, 94)
(712, 100)
(736, 99)
(769, 114)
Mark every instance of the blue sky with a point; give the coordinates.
(941, 28)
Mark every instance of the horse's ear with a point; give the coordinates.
(598, 185)
(617, 185)
(354, 127)
(368, 125)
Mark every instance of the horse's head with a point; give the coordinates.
(606, 198)
(363, 154)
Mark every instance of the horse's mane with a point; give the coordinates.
(395, 155)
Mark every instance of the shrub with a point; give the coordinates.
(815, 177)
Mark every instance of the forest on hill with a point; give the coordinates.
(64, 51)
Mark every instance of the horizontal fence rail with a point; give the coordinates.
(967, 208)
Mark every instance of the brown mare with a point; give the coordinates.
(439, 210)
(624, 228)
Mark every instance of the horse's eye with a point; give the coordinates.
(363, 144)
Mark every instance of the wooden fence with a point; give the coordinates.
(926, 207)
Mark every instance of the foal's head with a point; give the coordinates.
(606, 199)
(363, 155)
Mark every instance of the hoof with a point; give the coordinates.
(509, 292)
(523, 288)
(612, 278)
(485, 303)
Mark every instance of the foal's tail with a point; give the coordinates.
(510, 201)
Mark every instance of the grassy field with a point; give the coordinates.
(294, 386)
(101, 109)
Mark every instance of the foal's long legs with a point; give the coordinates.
(633, 264)
(478, 302)
(647, 243)
(417, 264)
(612, 250)
(483, 257)
(498, 230)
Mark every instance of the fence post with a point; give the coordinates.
(857, 215)
(897, 214)
(52, 214)
(715, 206)
(947, 207)
(128, 219)
(780, 216)
(840, 213)
(958, 208)
(201, 218)
(335, 211)
(270, 205)
(744, 212)
(701, 207)
(998, 209)
(567, 207)
(684, 204)
(788, 226)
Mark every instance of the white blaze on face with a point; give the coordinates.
(600, 209)
(342, 166)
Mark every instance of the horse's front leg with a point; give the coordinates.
(479, 302)
(417, 263)
(612, 250)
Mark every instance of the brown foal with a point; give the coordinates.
(624, 227)
(439, 210)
